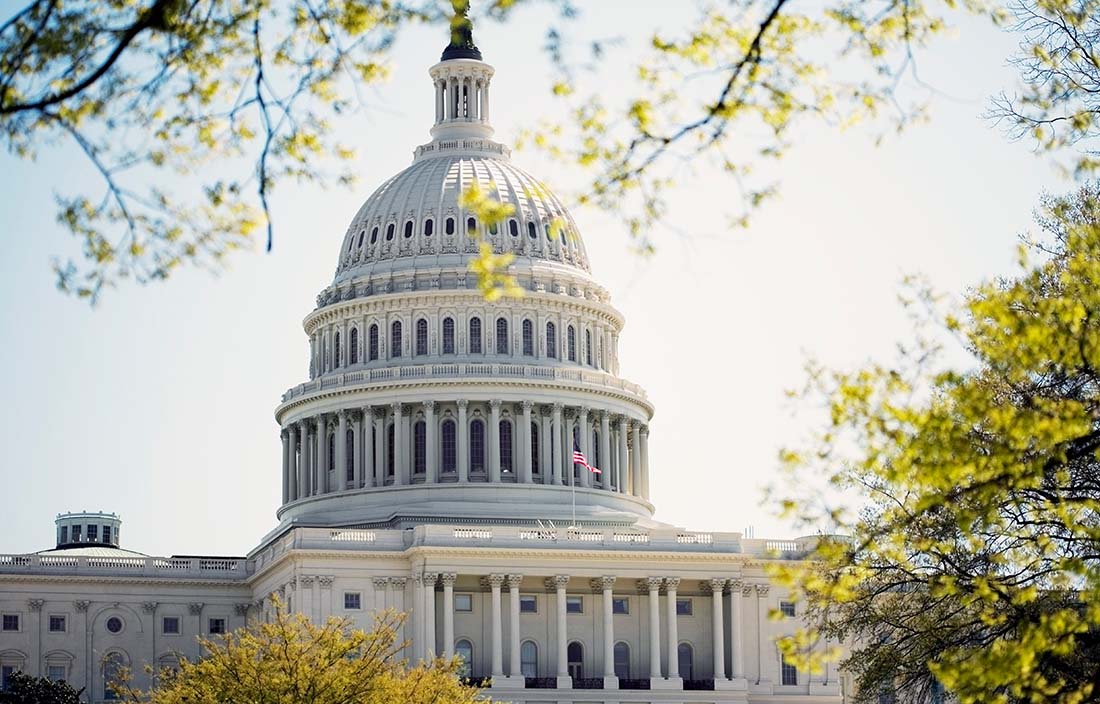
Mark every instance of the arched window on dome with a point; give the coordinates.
(389, 451)
(349, 456)
(505, 446)
(420, 447)
(475, 335)
(529, 659)
(513, 228)
(450, 226)
(502, 336)
(450, 447)
(448, 336)
(408, 229)
(471, 225)
(477, 445)
(389, 232)
(331, 453)
(528, 338)
(429, 227)
(422, 336)
(374, 234)
(551, 341)
(336, 350)
(372, 342)
(588, 347)
(353, 346)
(571, 343)
(395, 339)
(535, 469)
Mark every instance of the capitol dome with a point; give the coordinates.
(425, 402)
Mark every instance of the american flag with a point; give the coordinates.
(579, 458)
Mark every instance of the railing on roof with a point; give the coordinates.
(174, 567)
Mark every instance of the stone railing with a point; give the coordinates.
(465, 370)
(169, 567)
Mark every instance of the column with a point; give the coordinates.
(485, 102)
(585, 433)
(566, 448)
(653, 584)
(544, 447)
(380, 451)
(737, 654)
(673, 634)
(322, 457)
(559, 461)
(286, 465)
(525, 467)
(717, 586)
(624, 456)
(605, 450)
(558, 583)
(607, 583)
(303, 462)
(429, 614)
(494, 581)
(514, 665)
(448, 615)
(636, 459)
(356, 452)
(367, 477)
(397, 602)
(432, 464)
(398, 446)
(340, 480)
(494, 441)
(292, 433)
(463, 448)
(762, 620)
(416, 619)
(645, 463)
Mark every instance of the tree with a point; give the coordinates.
(970, 496)
(291, 660)
(25, 689)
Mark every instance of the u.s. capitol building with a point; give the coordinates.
(427, 466)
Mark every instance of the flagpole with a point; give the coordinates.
(573, 487)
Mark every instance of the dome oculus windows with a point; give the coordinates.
(513, 228)
(374, 235)
(471, 225)
(532, 231)
(429, 227)
(450, 226)
(389, 232)
(408, 229)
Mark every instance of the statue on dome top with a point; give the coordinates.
(462, 34)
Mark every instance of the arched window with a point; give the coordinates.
(114, 664)
(551, 341)
(528, 338)
(534, 448)
(506, 446)
(362, 234)
(420, 447)
(513, 228)
(353, 346)
(492, 228)
(395, 339)
(464, 649)
(588, 347)
(450, 226)
(331, 451)
(389, 451)
(575, 657)
(408, 228)
(475, 335)
(571, 343)
(685, 656)
(429, 227)
(477, 446)
(422, 336)
(448, 336)
(374, 235)
(532, 231)
(349, 456)
(471, 225)
(622, 660)
(450, 447)
(502, 336)
(529, 659)
(372, 342)
(389, 232)
(336, 350)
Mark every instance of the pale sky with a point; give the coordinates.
(158, 404)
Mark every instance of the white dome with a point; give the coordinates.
(414, 220)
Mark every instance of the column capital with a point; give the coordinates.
(762, 590)
(398, 582)
(462, 404)
(645, 429)
(514, 580)
(35, 604)
(527, 404)
(735, 586)
(380, 582)
(602, 584)
(303, 424)
(559, 581)
(493, 580)
(242, 609)
(715, 586)
(448, 579)
(195, 607)
(429, 406)
(650, 584)
(430, 578)
(149, 607)
(746, 590)
(325, 581)
(368, 412)
(557, 407)
(672, 582)
(81, 605)
(342, 414)
(306, 580)
(584, 410)
(395, 407)
(494, 404)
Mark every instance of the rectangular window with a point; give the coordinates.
(620, 605)
(6, 671)
(683, 607)
(217, 626)
(353, 601)
(574, 604)
(57, 624)
(11, 622)
(464, 602)
(790, 673)
(64, 534)
(106, 534)
(170, 625)
(786, 608)
(93, 534)
(76, 534)
(528, 604)
(56, 673)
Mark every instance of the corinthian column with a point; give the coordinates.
(514, 664)
(368, 478)
(558, 584)
(494, 581)
(322, 454)
(636, 459)
(283, 435)
(653, 586)
(380, 451)
(607, 585)
(737, 650)
(431, 467)
(585, 432)
(398, 446)
(525, 467)
(624, 456)
(762, 620)
(340, 481)
(292, 434)
(717, 586)
(673, 633)
(448, 616)
(559, 461)
(304, 463)
(645, 463)
(429, 614)
(463, 448)
(605, 450)
(494, 441)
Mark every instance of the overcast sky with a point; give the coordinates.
(158, 404)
